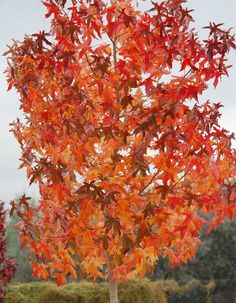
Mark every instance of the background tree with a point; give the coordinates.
(216, 259)
(127, 160)
(7, 267)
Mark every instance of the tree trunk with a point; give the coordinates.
(112, 287)
(113, 292)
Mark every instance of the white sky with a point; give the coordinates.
(20, 17)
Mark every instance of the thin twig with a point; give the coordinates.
(62, 8)
(152, 179)
(90, 65)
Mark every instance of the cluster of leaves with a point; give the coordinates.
(7, 267)
(215, 259)
(128, 161)
(221, 243)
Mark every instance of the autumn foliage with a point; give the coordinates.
(7, 267)
(128, 157)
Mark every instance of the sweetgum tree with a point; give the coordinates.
(128, 160)
(7, 267)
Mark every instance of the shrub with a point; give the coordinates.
(224, 291)
(143, 291)
(193, 292)
(46, 292)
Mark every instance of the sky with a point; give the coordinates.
(20, 17)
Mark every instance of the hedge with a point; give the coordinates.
(143, 291)
(193, 292)
(47, 292)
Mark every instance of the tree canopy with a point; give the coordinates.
(127, 157)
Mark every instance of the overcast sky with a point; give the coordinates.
(18, 17)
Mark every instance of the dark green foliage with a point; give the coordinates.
(216, 259)
(224, 291)
(193, 292)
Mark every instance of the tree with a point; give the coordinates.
(7, 267)
(127, 159)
